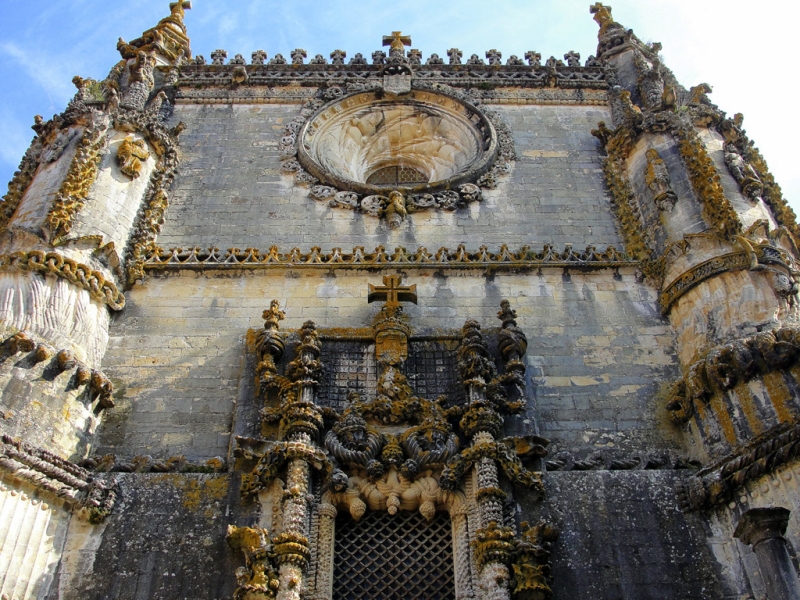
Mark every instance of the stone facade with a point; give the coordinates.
(249, 306)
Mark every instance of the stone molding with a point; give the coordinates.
(58, 476)
(251, 258)
(715, 486)
(79, 274)
(605, 460)
(734, 261)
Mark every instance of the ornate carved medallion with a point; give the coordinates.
(388, 155)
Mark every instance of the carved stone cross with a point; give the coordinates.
(337, 57)
(396, 41)
(494, 57)
(185, 5)
(392, 291)
(455, 56)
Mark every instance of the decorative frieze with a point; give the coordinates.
(159, 259)
(706, 182)
(756, 257)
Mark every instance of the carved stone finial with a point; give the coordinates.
(494, 57)
(298, 55)
(455, 56)
(259, 57)
(534, 58)
(218, 57)
(396, 41)
(177, 8)
(573, 58)
(337, 57)
(602, 14)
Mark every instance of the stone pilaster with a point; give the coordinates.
(763, 529)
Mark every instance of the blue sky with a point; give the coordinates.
(745, 50)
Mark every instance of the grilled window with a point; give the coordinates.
(397, 175)
(393, 557)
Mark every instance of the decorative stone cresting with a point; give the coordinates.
(525, 257)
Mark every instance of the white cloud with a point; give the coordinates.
(50, 74)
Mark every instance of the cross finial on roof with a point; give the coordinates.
(396, 41)
(177, 8)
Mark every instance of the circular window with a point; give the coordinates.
(422, 141)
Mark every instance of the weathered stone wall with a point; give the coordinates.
(165, 540)
(622, 537)
(230, 191)
(598, 349)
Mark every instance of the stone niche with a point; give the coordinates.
(422, 141)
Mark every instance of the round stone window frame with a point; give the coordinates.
(427, 101)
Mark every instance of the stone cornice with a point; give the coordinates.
(250, 258)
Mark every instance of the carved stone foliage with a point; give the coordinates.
(92, 497)
(259, 579)
(131, 154)
(729, 364)
(617, 144)
(486, 151)
(80, 177)
(531, 566)
(151, 214)
(657, 178)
